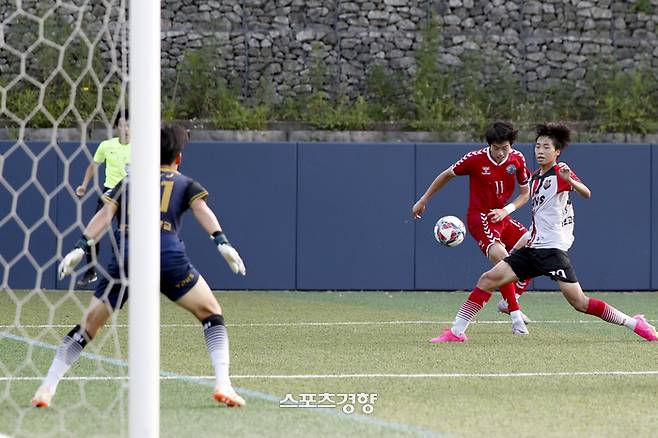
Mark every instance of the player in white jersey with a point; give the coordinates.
(551, 237)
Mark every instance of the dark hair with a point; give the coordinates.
(559, 134)
(122, 114)
(500, 132)
(173, 139)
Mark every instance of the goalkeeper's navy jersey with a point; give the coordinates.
(177, 194)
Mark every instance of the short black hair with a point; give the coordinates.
(122, 114)
(173, 139)
(560, 134)
(500, 132)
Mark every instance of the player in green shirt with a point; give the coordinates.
(115, 153)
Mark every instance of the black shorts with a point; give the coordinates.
(177, 277)
(532, 262)
(100, 203)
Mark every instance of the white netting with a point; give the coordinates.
(63, 76)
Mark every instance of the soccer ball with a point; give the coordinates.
(449, 231)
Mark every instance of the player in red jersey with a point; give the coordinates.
(493, 173)
(551, 237)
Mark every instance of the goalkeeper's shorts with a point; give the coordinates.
(177, 277)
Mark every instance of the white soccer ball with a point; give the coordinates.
(449, 231)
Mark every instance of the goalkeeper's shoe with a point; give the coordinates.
(502, 308)
(449, 336)
(644, 329)
(88, 278)
(226, 394)
(42, 397)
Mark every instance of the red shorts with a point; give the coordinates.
(508, 231)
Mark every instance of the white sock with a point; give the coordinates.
(216, 338)
(220, 363)
(67, 353)
(57, 370)
(516, 316)
(629, 322)
(459, 326)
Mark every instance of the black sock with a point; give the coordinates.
(71, 346)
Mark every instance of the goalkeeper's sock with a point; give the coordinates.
(216, 338)
(609, 314)
(473, 304)
(67, 353)
(91, 254)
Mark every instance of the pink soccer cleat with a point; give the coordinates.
(449, 336)
(644, 329)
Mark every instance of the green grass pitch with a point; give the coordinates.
(554, 382)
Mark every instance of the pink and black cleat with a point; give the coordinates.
(449, 336)
(644, 329)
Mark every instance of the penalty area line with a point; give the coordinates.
(361, 376)
(316, 323)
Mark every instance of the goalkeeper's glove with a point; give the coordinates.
(229, 253)
(74, 257)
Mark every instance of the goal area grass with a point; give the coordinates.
(573, 375)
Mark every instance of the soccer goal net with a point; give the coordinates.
(63, 84)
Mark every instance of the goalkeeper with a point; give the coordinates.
(179, 280)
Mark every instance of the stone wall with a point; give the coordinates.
(279, 41)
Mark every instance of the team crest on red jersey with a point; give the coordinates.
(547, 183)
(511, 169)
(486, 170)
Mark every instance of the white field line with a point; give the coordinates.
(319, 323)
(362, 376)
(371, 421)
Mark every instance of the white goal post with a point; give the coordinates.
(144, 226)
(64, 68)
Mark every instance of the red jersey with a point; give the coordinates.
(491, 184)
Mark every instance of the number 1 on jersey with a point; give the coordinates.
(166, 195)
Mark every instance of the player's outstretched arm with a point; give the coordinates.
(95, 229)
(207, 219)
(567, 175)
(441, 180)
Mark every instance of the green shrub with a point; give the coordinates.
(197, 85)
(386, 94)
(341, 114)
(644, 6)
(230, 113)
(434, 106)
(625, 101)
(467, 97)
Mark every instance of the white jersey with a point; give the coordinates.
(552, 212)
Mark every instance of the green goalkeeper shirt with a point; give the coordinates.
(116, 157)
